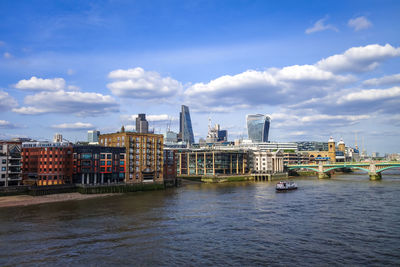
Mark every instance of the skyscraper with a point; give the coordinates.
(93, 136)
(142, 126)
(185, 126)
(258, 127)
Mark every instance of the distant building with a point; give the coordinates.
(215, 134)
(142, 125)
(170, 161)
(58, 138)
(10, 163)
(185, 126)
(47, 163)
(144, 154)
(312, 146)
(171, 137)
(222, 135)
(258, 127)
(93, 136)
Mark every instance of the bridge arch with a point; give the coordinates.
(351, 167)
(302, 167)
(387, 168)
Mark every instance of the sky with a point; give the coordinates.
(317, 68)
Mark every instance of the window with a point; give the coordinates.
(109, 169)
(102, 162)
(122, 156)
(102, 169)
(103, 156)
(108, 156)
(3, 168)
(121, 162)
(3, 161)
(86, 156)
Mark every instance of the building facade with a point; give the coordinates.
(93, 136)
(212, 162)
(170, 160)
(258, 127)
(265, 162)
(142, 125)
(47, 163)
(185, 126)
(10, 163)
(98, 164)
(144, 154)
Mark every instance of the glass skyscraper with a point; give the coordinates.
(185, 126)
(258, 127)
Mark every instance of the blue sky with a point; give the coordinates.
(319, 68)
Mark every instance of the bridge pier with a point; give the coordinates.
(321, 173)
(375, 176)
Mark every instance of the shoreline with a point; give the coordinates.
(27, 200)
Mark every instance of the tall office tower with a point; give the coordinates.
(185, 126)
(142, 126)
(258, 127)
(93, 136)
(58, 138)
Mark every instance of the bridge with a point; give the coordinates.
(374, 169)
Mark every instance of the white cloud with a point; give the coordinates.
(359, 23)
(78, 103)
(74, 126)
(39, 84)
(138, 83)
(321, 26)
(386, 80)
(7, 102)
(359, 59)
(7, 125)
(371, 95)
(7, 55)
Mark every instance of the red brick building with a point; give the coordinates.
(47, 163)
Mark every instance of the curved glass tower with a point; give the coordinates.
(185, 126)
(258, 127)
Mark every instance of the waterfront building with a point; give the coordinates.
(98, 164)
(144, 154)
(258, 127)
(212, 162)
(266, 162)
(142, 125)
(47, 163)
(271, 146)
(170, 159)
(185, 126)
(10, 163)
(93, 136)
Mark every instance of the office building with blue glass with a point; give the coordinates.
(185, 126)
(258, 127)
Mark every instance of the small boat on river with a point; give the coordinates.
(283, 186)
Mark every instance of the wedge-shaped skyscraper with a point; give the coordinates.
(258, 127)
(185, 126)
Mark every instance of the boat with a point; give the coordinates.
(283, 186)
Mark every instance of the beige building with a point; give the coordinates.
(144, 154)
(267, 162)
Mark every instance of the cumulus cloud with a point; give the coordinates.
(359, 23)
(321, 26)
(39, 84)
(77, 126)
(386, 80)
(138, 83)
(370, 95)
(7, 102)
(78, 103)
(7, 125)
(271, 87)
(359, 59)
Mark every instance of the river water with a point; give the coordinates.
(346, 220)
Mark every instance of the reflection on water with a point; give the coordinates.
(345, 220)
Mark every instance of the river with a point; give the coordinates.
(346, 220)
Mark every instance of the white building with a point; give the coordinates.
(264, 162)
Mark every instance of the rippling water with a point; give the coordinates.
(347, 220)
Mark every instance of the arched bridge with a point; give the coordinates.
(374, 169)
